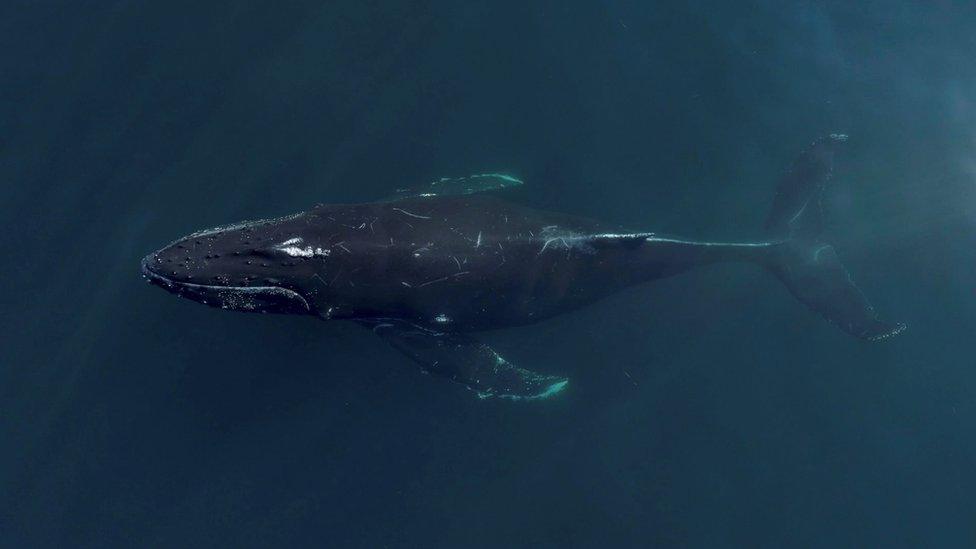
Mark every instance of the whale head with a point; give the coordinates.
(261, 266)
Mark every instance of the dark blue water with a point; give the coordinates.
(708, 410)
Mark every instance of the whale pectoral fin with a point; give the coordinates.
(455, 186)
(464, 360)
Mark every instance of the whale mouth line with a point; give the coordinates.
(154, 277)
(182, 289)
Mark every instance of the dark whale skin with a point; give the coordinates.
(475, 262)
(469, 262)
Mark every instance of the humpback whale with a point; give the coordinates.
(428, 267)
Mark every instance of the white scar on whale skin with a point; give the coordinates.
(291, 248)
(405, 212)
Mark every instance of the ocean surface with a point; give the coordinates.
(705, 410)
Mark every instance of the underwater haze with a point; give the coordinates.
(705, 410)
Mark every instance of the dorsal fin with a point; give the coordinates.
(457, 186)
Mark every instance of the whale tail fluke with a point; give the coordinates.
(808, 266)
